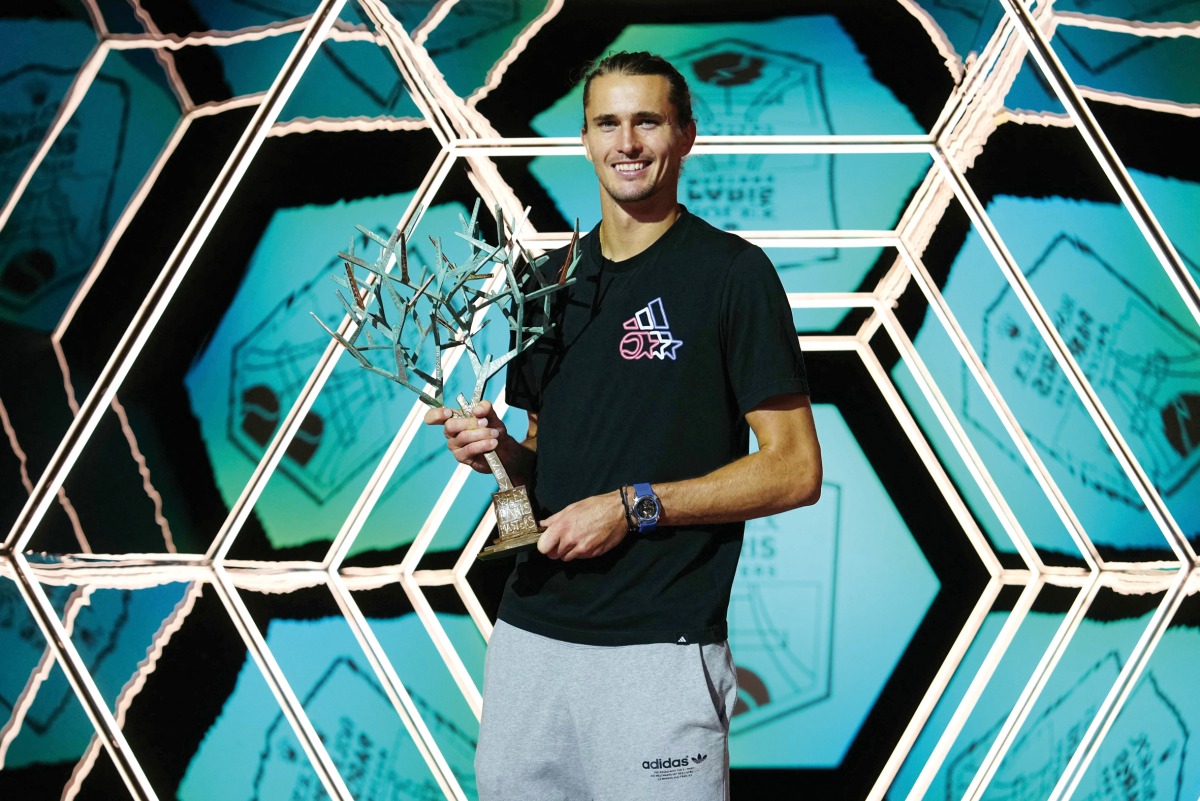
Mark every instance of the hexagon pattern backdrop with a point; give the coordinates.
(234, 565)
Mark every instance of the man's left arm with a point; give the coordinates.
(785, 472)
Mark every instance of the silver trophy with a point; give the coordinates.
(398, 319)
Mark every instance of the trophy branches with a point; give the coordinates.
(399, 323)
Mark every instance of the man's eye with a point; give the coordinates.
(607, 126)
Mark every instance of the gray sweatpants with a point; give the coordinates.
(567, 722)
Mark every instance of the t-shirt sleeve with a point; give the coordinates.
(762, 354)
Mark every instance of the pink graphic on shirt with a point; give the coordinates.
(649, 334)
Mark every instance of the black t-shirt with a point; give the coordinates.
(652, 364)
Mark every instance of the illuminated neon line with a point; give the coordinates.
(41, 671)
(829, 343)
(160, 294)
(1096, 22)
(134, 686)
(375, 486)
(443, 577)
(74, 96)
(64, 501)
(924, 451)
(120, 571)
(95, 17)
(1126, 682)
(1145, 103)
(1070, 367)
(215, 107)
(406, 56)
(303, 125)
(451, 117)
(923, 213)
(437, 515)
(73, 517)
(273, 453)
(285, 697)
(937, 688)
(165, 58)
(515, 48)
(1033, 461)
(408, 568)
(275, 449)
(339, 31)
(439, 12)
(475, 543)
(1044, 119)
(1032, 690)
(15, 445)
(366, 503)
(843, 238)
(724, 145)
(833, 300)
(979, 684)
(396, 692)
(144, 470)
(395, 452)
(465, 562)
(82, 683)
(1054, 72)
(966, 450)
(441, 641)
(922, 217)
(876, 143)
(118, 230)
(979, 80)
(821, 239)
(869, 328)
(938, 37)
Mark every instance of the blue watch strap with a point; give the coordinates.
(640, 491)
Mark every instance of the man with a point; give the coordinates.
(608, 674)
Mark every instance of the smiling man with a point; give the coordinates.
(608, 675)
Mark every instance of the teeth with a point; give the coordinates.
(629, 167)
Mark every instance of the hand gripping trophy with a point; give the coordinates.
(443, 309)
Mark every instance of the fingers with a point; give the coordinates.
(470, 437)
(548, 543)
(486, 415)
(560, 541)
(437, 415)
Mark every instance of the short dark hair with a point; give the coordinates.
(643, 63)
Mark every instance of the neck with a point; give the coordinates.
(626, 230)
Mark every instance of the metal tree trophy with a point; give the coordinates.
(442, 309)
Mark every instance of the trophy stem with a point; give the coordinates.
(497, 468)
(515, 520)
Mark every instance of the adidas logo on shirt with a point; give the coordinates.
(649, 334)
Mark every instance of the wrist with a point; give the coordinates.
(644, 509)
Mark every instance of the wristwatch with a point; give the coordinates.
(645, 508)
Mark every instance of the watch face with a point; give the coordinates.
(645, 508)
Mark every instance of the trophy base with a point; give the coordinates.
(514, 518)
(507, 547)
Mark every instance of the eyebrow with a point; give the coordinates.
(637, 115)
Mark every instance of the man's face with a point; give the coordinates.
(632, 139)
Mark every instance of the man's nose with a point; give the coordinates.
(630, 143)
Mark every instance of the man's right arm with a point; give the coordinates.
(469, 438)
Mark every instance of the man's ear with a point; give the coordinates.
(583, 138)
(689, 133)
